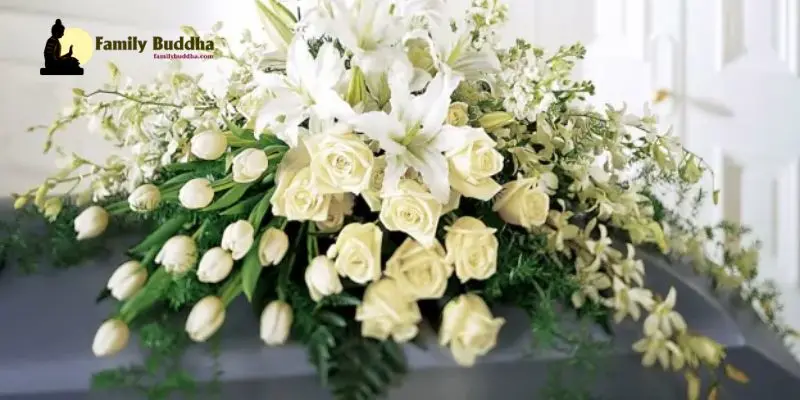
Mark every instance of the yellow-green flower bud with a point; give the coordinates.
(495, 120)
(20, 202)
(52, 207)
(419, 53)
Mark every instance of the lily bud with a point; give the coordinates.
(357, 89)
(238, 238)
(215, 265)
(209, 145)
(52, 207)
(178, 254)
(92, 222)
(145, 198)
(495, 120)
(279, 23)
(272, 247)
(458, 114)
(205, 318)
(322, 279)
(127, 280)
(276, 322)
(196, 194)
(111, 338)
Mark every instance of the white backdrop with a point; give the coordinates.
(734, 66)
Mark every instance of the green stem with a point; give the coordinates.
(143, 102)
(311, 242)
(232, 289)
(199, 232)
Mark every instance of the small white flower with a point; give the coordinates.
(145, 198)
(215, 265)
(178, 254)
(664, 319)
(237, 238)
(127, 280)
(209, 145)
(205, 319)
(272, 247)
(322, 279)
(111, 338)
(196, 194)
(91, 223)
(249, 165)
(276, 323)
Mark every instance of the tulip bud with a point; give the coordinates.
(215, 265)
(52, 207)
(249, 165)
(110, 338)
(276, 322)
(238, 238)
(145, 198)
(494, 120)
(322, 279)
(20, 202)
(127, 280)
(272, 247)
(205, 318)
(196, 194)
(209, 145)
(92, 222)
(178, 254)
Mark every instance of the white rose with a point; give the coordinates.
(386, 311)
(276, 323)
(412, 210)
(522, 203)
(111, 338)
(357, 252)
(472, 247)
(472, 168)
(420, 271)
(196, 194)
(272, 247)
(209, 145)
(321, 278)
(91, 223)
(215, 265)
(205, 318)
(249, 165)
(469, 328)
(145, 198)
(178, 254)
(126, 280)
(298, 200)
(372, 195)
(340, 163)
(237, 238)
(341, 207)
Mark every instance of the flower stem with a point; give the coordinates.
(232, 289)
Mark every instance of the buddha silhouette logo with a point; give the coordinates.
(66, 51)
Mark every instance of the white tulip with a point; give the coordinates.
(127, 280)
(238, 238)
(322, 279)
(276, 322)
(272, 247)
(92, 222)
(144, 198)
(178, 254)
(205, 318)
(249, 165)
(215, 265)
(111, 338)
(209, 145)
(196, 194)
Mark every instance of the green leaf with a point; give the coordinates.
(106, 293)
(715, 197)
(258, 213)
(251, 270)
(229, 198)
(156, 286)
(78, 92)
(242, 206)
(177, 180)
(332, 319)
(160, 235)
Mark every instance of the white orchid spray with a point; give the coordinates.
(355, 176)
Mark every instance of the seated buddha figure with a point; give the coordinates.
(54, 62)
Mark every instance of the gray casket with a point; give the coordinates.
(48, 321)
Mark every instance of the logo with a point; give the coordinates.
(66, 51)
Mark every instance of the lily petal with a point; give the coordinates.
(381, 127)
(432, 165)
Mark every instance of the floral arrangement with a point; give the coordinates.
(380, 167)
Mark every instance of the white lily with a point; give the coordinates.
(415, 134)
(308, 88)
